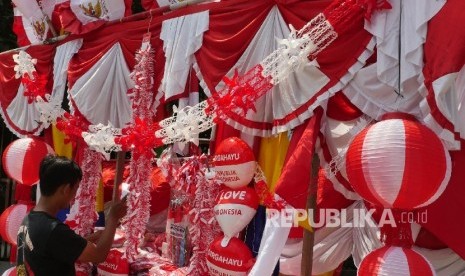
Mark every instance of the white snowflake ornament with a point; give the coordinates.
(24, 64)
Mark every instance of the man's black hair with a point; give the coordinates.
(56, 171)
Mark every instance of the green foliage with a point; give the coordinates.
(7, 38)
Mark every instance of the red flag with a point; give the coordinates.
(82, 16)
(293, 185)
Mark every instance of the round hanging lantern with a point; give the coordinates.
(235, 208)
(10, 272)
(398, 163)
(393, 260)
(235, 259)
(115, 264)
(234, 163)
(11, 220)
(21, 159)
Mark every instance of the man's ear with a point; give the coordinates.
(66, 189)
(60, 190)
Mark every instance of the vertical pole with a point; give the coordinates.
(309, 236)
(120, 157)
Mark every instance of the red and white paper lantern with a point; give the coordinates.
(116, 264)
(235, 259)
(234, 163)
(393, 260)
(398, 163)
(11, 220)
(10, 272)
(235, 208)
(21, 159)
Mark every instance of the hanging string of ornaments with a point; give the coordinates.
(138, 200)
(83, 216)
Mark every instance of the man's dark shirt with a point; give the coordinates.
(47, 247)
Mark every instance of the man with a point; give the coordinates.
(47, 247)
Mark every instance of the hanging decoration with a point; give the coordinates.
(82, 216)
(194, 189)
(140, 139)
(100, 138)
(140, 136)
(203, 228)
(386, 163)
(235, 208)
(10, 272)
(393, 260)
(138, 203)
(73, 126)
(21, 159)
(50, 110)
(234, 259)
(24, 65)
(34, 86)
(234, 163)
(11, 220)
(185, 124)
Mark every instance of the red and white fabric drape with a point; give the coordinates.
(248, 39)
(101, 92)
(98, 75)
(20, 116)
(182, 37)
(444, 90)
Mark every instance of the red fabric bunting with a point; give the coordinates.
(222, 47)
(294, 183)
(9, 85)
(439, 61)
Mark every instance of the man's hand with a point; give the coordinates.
(94, 237)
(98, 252)
(117, 210)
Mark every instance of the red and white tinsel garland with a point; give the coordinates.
(142, 75)
(194, 178)
(140, 141)
(82, 216)
(204, 227)
(138, 202)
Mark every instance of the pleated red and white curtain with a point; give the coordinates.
(291, 102)
(20, 115)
